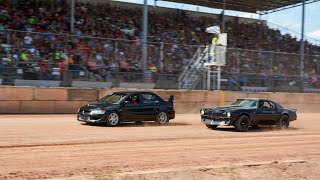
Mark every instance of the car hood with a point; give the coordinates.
(226, 108)
(99, 105)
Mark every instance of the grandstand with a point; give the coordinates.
(36, 44)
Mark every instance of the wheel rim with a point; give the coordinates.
(162, 118)
(244, 124)
(113, 119)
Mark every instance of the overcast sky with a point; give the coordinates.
(289, 20)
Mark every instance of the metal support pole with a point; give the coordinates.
(66, 69)
(117, 61)
(223, 18)
(203, 80)
(208, 78)
(144, 35)
(72, 16)
(238, 70)
(218, 77)
(161, 56)
(302, 48)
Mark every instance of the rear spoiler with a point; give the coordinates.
(171, 98)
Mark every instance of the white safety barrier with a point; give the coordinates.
(254, 89)
(312, 90)
(89, 84)
(46, 83)
(137, 85)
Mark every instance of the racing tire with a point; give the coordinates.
(242, 124)
(112, 119)
(162, 118)
(283, 122)
(211, 126)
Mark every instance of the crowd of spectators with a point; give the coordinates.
(107, 39)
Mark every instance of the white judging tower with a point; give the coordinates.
(204, 59)
(216, 55)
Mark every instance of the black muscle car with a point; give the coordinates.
(127, 106)
(244, 113)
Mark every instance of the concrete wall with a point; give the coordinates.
(68, 100)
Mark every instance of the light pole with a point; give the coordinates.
(144, 35)
(302, 48)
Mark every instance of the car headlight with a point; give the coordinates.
(228, 114)
(98, 111)
(202, 112)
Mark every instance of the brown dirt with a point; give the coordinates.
(59, 147)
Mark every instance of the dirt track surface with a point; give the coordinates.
(59, 147)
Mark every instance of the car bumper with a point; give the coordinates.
(225, 121)
(171, 114)
(293, 118)
(96, 119)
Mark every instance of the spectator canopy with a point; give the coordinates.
(251, 6)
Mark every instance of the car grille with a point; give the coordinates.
(211, 112)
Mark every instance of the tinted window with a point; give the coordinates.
(113, 98)
(245, 103)
(149, 98)
(279, 106)
(266, 105)
(133, 99)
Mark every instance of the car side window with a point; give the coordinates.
(133, 99)
(254, 104)
(266, 106)
(272, 106)
(149, 98)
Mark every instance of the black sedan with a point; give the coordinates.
(244, 113)
(127, 106)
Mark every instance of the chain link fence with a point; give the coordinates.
(47, 56)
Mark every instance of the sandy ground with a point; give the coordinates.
(59, 147)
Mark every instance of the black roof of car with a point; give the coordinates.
(256, 99)
(130, 92)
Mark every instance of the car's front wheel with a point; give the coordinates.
(113, 119)
(283, 122)
(162, 118)
(242, 123)
(211, 126)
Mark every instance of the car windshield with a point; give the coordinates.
(113, 98)
(245, 103)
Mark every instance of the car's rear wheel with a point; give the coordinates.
(242, 123)
(162, 118)
(113, 119)
(211, 126)
(283, 122)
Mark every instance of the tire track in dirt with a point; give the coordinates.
(314, 135)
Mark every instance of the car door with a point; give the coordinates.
(151, 105)
(132, 109)
(276, 114)
(265, 111)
